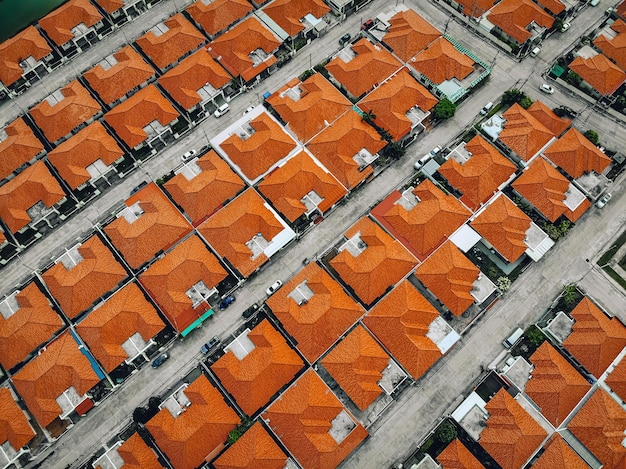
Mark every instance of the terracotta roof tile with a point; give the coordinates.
(441, 61)
(504, 225)
(110, 325)
(14, 426)
(380, 264)
(26, 43)
(169, 279)
(218, 15)
(195, 72)
(596, 338)
(457, 456)
(514, 16)
(203, 195)
(317, 323)
(303, 418)
(371, 65)
(310, 106)
(59, 23)
(599, 425)
(409, 33)
(555, 124)
(118, 74)
(559, 455)
(577, 155)
(512, 435)
(233, 48)
(614, 47)
(616, 380)
(255, 378)
(136, 454)
(129, 118)
(599, 72)
(479, 177)
(288, 185)
(256, 153)
(357, 364)
(72, 157)
(58, 119)
(416, 227)
(254, 450)
(250, 214)
(392, 100)
(157, 227)
(202, 428)
(476, 8)
(288, 14)
(31, 325)
(555, 385)
(450, 276)
(18, 148)
(523, 133)
(621, 9)
(555, 6)
(34, 184)
(170, 40)
(337, 145)
(111, 6)
(59, 366)
(94, 273)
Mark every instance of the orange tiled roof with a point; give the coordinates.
(615, 47)
(391, 101)
(201, 196)
(202, 428)
(18, 148)
(523, 133)
(14, 426)
(254, 379)
(544, 187)
(450, 276)
(371, 65)
(548, 118)
(196, 71)
(555, 6)
(31, 325)
(357, 364)
(95, 273)
(317, 323)
(441, 61)
(381, 264)
(26, 43)
(59, 23)
(157, 228)
(479, 177)
(249, 213)
(60, 118)
(559, 455)
(233, 48)
(34, 184)
(476, 8)
(401, 321)
(310, 106)
(514, 16)
(72, 157)
(129, 118)
(599, 425)
(136, 454)
(457, 456)
(596, 339)
(512, 435)
(218, 15)
(599, 72)
(169, 278)
(59, 366)
(428, 224)
(256, 449)
(577, 155)
(409, 33)
(170, 40)
(106, 328)
(621, 9)
(130, 70)
(111, 6)
(616, 380)
(258, 152)
(555, 385)
(290, 183)
(288, 14)
(303, 416)
(504, 225)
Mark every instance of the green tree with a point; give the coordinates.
(444, 109)
(573, 78)
(570, 294)
(558, 24)
(394, 151)
(446, 432)
(525, 102)
(503, 283)
(535, 336)
(592, 136)
(369, 116)
(512, 96)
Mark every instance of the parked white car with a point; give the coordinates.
(603, 200)
(546, 88)
(275, 286)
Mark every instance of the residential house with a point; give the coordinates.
(554, 7)
(408, 34)
(121, 11)
(612, 42)
(315, 310)
(620, 10)
(133, 453)
(304, 18)
(599, 73)
(520, 20)
(559, 455)
(215, 17)
(616, 379)
(474, 8)
(16, 431)
(18, 147)
(576, 155)
(456, 455)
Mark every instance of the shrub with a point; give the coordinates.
(592, 136)
(446, 432)
(444, 109)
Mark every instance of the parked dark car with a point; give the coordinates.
(343, 39)
(210, 344)
(226, 302)
(140, 186)
(158, 361)
(250, 311)
(565, 111)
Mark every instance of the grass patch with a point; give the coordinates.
(608, 255)
(615, 276)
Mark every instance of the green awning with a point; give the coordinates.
(207, 314)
